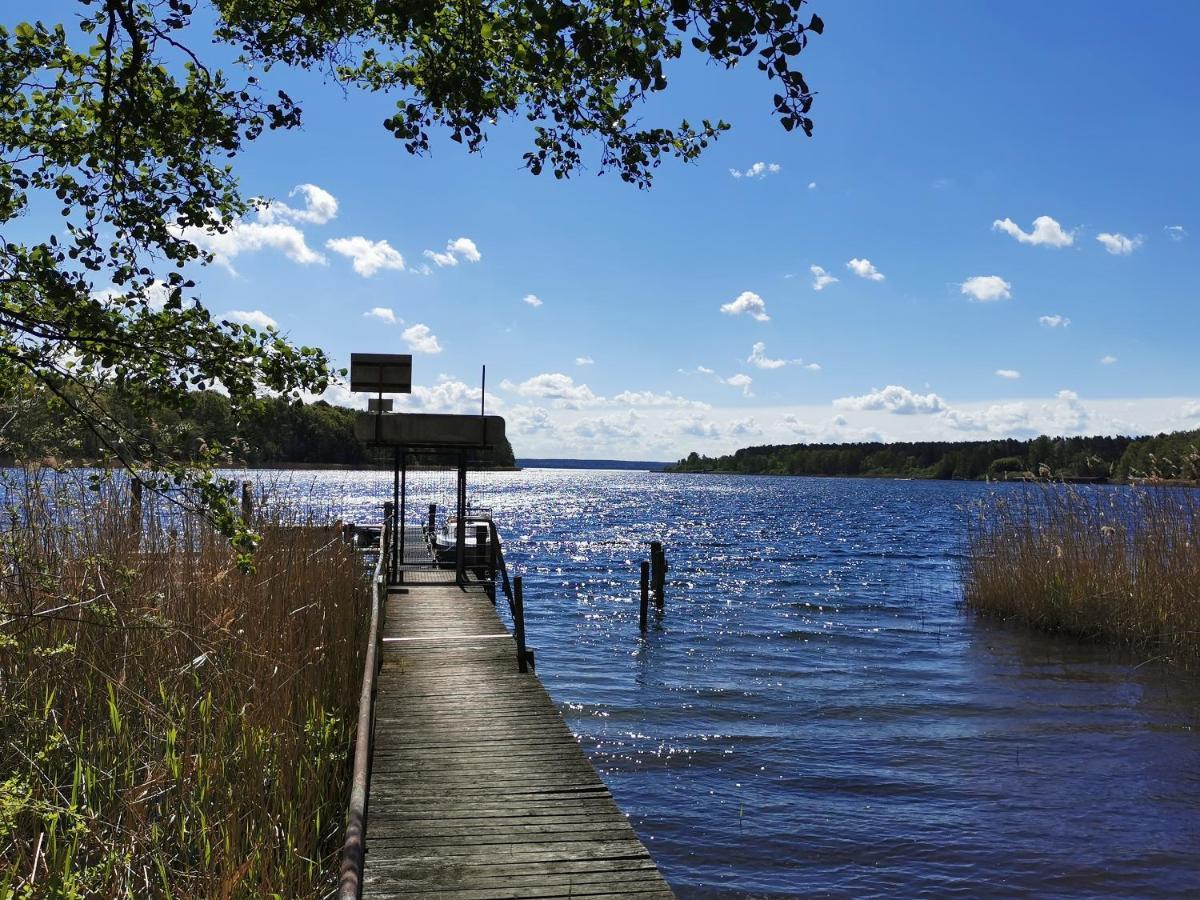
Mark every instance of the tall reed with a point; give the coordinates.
(1114, 564)
(170, 725)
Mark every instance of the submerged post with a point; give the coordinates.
(247, 500)
(518, 612)
(658, 560)
(645, 594)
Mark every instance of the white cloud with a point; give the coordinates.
(864, 268)
(1118, 244)
(1175, 232)
(1011, 374)
(986, 288)
(459, 248)
(757, 170)
(368, 256)
(532, 299)
(812, 185)
(894, 399)
(255, 317)
(383, 314)
(421, 340)
(320, 206)
(1055, 321)
(1107, 360)
(758, 357)
(584, 361)
(821, 278)
(742, 381)
(1046, 232)
(1067, 413)
(812, 367)
(705, 370)
(248, 237)
(1000, 418)
(447, 395)
(618, 426)
(650, 398)
(1191, 410)
(747, 302)
(747, 427)
(558, 387)
(698, 426)
(530, 419)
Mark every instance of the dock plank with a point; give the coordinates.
(478, 788)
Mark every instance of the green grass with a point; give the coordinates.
(169, 725)
(1118, 565)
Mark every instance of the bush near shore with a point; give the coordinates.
(1114, 564)
(171, 725)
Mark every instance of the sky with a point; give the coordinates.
(993, 232)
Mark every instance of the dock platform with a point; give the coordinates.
(477, 788)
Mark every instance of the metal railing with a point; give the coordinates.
(513, 592)
(354, 849)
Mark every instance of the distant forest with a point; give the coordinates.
(268, 431)
(1170, 456)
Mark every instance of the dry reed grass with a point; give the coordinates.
(169, 725)
(1114, 564)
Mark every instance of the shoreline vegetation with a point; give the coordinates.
(174, 725)
(1168, 458)
(1119, 567)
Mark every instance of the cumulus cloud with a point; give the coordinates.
(383, 314)
(747, 302)
(254, 317)
(447, 395)
(618, 426)
(1175, 232)
(812, 185)
(247, 237)
(864, 268)
(558, 387)
(1191, 409)
(650, 398)
(421, 340)
(758, 357)
(895, 399)
(745, 427)
(742, 381)
(1000, 418)
(1067, 413)
(757, 170)
(1107, 360)
(532, 299)
(367, 256)
(320, 206)
(698, 426)
(986, 288)
(812, 367)
(530, 419)
(584, 361)
(459, 248)
(1118, 244)
(1011, 374)
(1055, 321)
(821, 278)
(1046, 232)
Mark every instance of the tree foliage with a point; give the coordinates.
(117, 137)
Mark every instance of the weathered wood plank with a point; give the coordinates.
(478, 788)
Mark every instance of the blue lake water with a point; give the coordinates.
(814, 713)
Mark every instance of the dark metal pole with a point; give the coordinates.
(519, 624)
(399, 566)
(395, 506)
(460, 529)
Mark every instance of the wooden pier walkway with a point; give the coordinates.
(477, 787)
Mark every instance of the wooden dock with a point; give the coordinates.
(477, 787)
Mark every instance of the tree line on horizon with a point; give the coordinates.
(1096, 458)
(265, 431)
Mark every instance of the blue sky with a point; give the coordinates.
(934, 121)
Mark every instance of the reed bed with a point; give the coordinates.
(1119, 565)
(170, 725)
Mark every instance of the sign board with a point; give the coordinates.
(381, 373)
(429, 431)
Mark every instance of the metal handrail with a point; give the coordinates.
(354, 849)
(514, 595)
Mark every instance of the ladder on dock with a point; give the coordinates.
(474, 785)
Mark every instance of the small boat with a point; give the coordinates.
(444, 542)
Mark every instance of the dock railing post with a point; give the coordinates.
(645, 594)
(432, 518)
(385, 541)
(519, 624)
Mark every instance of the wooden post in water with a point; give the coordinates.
(645, 594)
(519, 624)
(658, 560)
(247, 500)
(432, 518)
